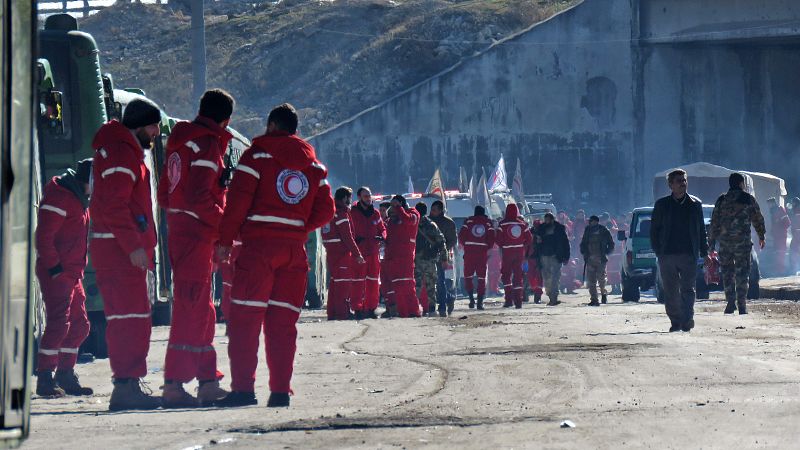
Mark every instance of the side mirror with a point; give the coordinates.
(621, 235)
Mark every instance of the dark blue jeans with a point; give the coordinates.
(445, 289)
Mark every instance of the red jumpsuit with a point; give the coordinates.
(369, 230)
(342, 253)
(535, 280)
(61, 234)
(513, 238)
(193, 197)
(279, 194)
(401, 234)
(122, 222)
(477, 237)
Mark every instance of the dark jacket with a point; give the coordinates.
(596, 241)
(448, 228)
(661, 223)
(555, 243)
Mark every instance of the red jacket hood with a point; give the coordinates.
(186, 131)
(289, 150)
(113, 132)
(512, 212)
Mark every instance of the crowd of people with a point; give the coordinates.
(253, 224)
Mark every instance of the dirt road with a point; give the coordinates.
(499, 378)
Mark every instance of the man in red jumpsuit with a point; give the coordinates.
(192, 192)
(279, 194)
(343, 257)
(369, 230)
(781, 223)
(513, 238)
(401, 233)
(477, 237)
(122, 243)
(61, 240)
(534, 272)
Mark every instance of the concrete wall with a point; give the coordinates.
(595, 101)
(558, 97)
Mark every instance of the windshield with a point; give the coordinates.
(641, 225)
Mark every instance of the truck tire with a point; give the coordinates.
(630, 290)
(754, 290)
(95, 343)
(162, 313)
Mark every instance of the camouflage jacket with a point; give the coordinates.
(430, 241)
(596, 241)
(734, 213)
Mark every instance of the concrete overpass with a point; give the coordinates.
(595, 101)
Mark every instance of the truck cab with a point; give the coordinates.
(639, 268)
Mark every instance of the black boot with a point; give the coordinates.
(594, 302)
(537, 298)
(68, 381)
(278, 400)
(236, 399)
(480, 302)
(731, 308)
(451, 305)
(742, 307)
(471, 301)
(46, 385)
(604, 299)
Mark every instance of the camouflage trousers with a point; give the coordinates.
(425, 275)
(596, 275)
(551, 275)
(734, 260)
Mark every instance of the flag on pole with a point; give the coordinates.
(498, 181)
(462, 180)
(472, 189)
(483, 197)
(516, 184)
(436, 188)
(410, 185)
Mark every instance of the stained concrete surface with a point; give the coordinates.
(498, 378)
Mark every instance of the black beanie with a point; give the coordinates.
(84, 170)
(140, 112)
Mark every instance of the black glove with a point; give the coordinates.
(55, 270)
(226, 176)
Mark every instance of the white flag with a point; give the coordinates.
(498, 181)
(410, 185)
(516, 185)
(462, 180)
(472, 189)
(435, 187)
(483, 197)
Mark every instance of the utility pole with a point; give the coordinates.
(198, 50)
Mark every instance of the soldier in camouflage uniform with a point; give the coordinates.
(430, 250)
(596, 245)
(734, 213)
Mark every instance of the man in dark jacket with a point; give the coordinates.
(678, 235)
(596, 245)
(444, 271)
(552, 246)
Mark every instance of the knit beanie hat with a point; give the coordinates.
(140, 112)
(84, 170)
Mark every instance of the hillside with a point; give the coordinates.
(331, 59)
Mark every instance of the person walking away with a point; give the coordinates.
(734, 213)
(192, 192)
(430, 249)
(279, 194)
(122, 245)
(444, 269)
(369, 231)
(780, 226)
(343, 257)
(513, 238)
(401, 234)
(61, 237)
(477, 236)
(596, 245)
(678, 236)
(794, 249)
(552, 246)
(534, 271)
